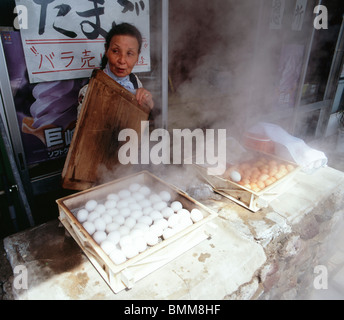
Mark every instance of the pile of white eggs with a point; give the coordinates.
(132, 220)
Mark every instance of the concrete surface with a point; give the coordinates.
(215, 269)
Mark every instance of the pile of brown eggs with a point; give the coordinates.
(258, 174)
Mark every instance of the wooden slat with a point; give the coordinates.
(107, 109)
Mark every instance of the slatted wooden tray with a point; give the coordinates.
(119, 277)
(254, 201)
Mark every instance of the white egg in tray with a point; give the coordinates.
(134, 219)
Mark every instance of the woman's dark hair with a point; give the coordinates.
(123, 29)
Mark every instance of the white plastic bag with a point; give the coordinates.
(309, 159)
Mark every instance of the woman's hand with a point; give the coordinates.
(144, 98)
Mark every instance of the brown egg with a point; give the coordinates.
(265, 171)
(261, 185)
(273, 171)
(284, 172)
(245, 181)
(244, 166)
(290, 167)
(273, 163)
(278, 175)
(255, 173)
(263, 177)
(258, 163)
(282, 167)
(256, 189)
(269, 182)
(247, 172)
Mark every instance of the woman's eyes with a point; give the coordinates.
(130, 53)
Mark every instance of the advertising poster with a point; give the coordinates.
(65, 39)
(46, 111)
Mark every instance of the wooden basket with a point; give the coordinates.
(119, 277)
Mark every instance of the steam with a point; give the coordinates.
(219, 71)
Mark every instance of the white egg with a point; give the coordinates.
(167, 212)
(134, 187)
(156, 215)
(125, 240)
(123, 194)
(140, 243)
(136, 214)
(185, 222)
(235, 176)
(176, 205)
(165, 195)
(145, 220)
(141, 226)
(82, 215)
(178, 227)
(168, 233)
(153, 198)
(138, 196)
(89, 227)
(144, 203)
(117, 257)
(130, 223)
(125, 212)
(130, 200)
(100, 224)
(100, 208)
(93, 216)
(157, 230)
(122, 204)
(196, 215)
(112, 212)
(184, 212)
(145, 191)
(123, 230)
(118, 219)
(162, 223)
(136, 233)
(99, 236)
(112, 227)
(91, 205)
(130, 251)
(112, 196)
(107, 218)
(134, 206)
(160, 205)
(151, 238)
(108, 246)
(173, 221)
(114, 236)
(109, 204)
(147, 210)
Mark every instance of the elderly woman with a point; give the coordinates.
(122, 49)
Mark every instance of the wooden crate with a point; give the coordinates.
(254, 201)
(107, 109)
(119, 277)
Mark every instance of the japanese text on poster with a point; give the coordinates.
(65, 38)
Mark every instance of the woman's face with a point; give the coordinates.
(122, 54)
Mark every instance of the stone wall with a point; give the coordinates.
(292, 257)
